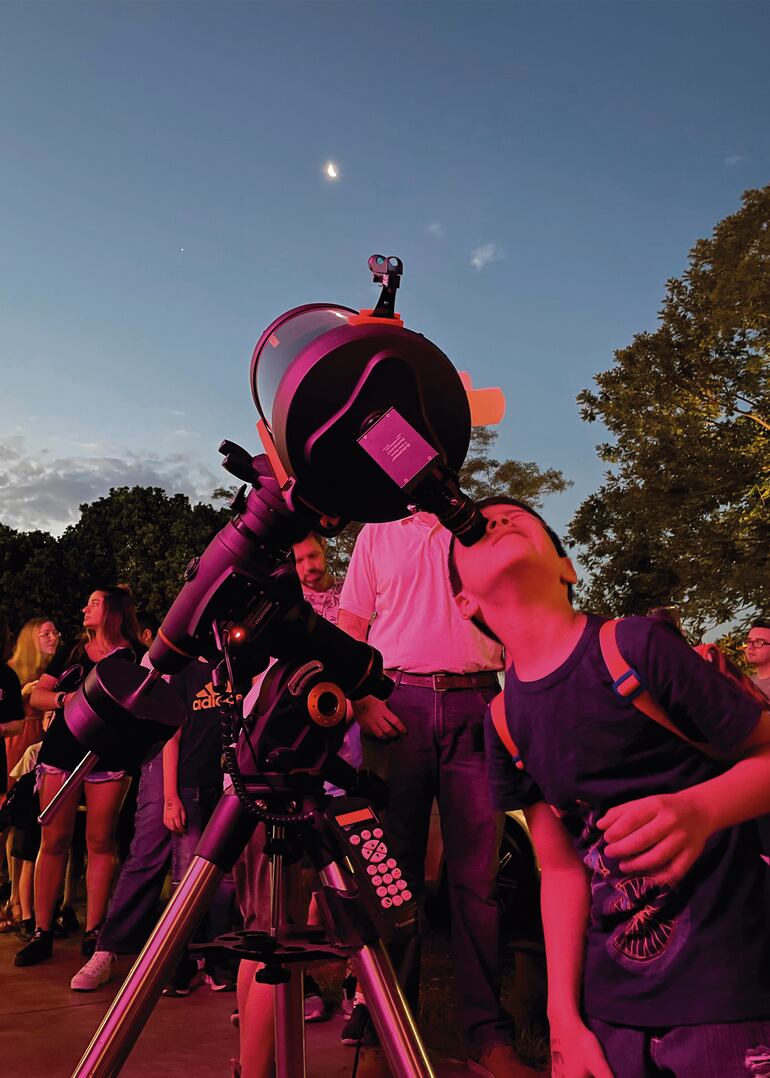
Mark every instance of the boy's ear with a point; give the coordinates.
(467, 605)
(568, 573)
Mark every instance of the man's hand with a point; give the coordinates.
(576, 1053)
(661, 836)
(375, 718)
(174, 815)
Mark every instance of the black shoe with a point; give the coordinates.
(26, 928)
(188, 975)
(359, 1029)
(90, 938)
(37, 950)
(67, 920)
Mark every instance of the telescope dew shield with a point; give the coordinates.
(319, 382)
(120, 710)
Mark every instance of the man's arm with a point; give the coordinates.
(565, 898)
(354, 626)
(174, 815)
(664, 835)
(373, 715)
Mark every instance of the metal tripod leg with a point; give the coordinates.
(390, 1012)
(289, 1006)
(227, 833)
(153, 969)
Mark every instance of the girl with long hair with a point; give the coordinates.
(35, 646)
(109, 623)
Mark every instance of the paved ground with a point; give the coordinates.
(44, 1027)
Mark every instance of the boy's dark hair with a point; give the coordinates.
(147, 620)
(760, 623)
(456, 583)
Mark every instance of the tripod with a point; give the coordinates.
(299, 817)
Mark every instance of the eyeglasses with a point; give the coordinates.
(756, 643)
(50, 633)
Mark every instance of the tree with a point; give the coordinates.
(682, 515)
(29, 577)
(138, 536)
(480, 476)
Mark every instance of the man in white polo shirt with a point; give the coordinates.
(427, 741)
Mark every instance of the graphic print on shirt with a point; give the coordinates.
(207, 698)
(641, 917)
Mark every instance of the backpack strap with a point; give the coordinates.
(497, 710)
(627, 683)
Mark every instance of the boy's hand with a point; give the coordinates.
(375, 717)
(174, 815)
(576, 1053)
(661, 836)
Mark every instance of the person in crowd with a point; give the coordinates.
(758, 654)
(109, 622)
(426, 742)
(24, 809)
(148, 626)
(35, 646)
(255, 1000)
(11, 714)
(654, 895)
(178, 791)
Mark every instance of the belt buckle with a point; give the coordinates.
(436, 687)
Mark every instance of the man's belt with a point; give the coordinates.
(485, 679)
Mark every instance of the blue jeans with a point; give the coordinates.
(724, 1049)
(442, 757)
(133, 908)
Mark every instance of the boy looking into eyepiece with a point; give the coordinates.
(654, 896)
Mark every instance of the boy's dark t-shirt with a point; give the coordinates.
(656, 955)
(11, 710)
(200, 748)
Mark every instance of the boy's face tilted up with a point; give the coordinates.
(516, 547)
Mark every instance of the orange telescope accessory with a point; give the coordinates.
(487, 405)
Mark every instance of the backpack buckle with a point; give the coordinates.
(629, 685)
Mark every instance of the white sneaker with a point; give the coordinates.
(96, 971)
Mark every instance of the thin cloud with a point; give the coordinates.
(483, 255)
(437, 229)
(736, 159)
(38, 491)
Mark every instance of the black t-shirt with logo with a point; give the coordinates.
(656, 955)
(200, 747)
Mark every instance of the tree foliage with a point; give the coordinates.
(138, 536)
(682, 516)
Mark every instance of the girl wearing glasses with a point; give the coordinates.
(35, 647)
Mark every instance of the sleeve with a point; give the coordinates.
(11, 703)
(511, 788)
(59, 663)
(698, 699)
(359, 592)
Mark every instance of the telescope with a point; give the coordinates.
(361, 419)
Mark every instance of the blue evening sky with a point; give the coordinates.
(541, 168)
